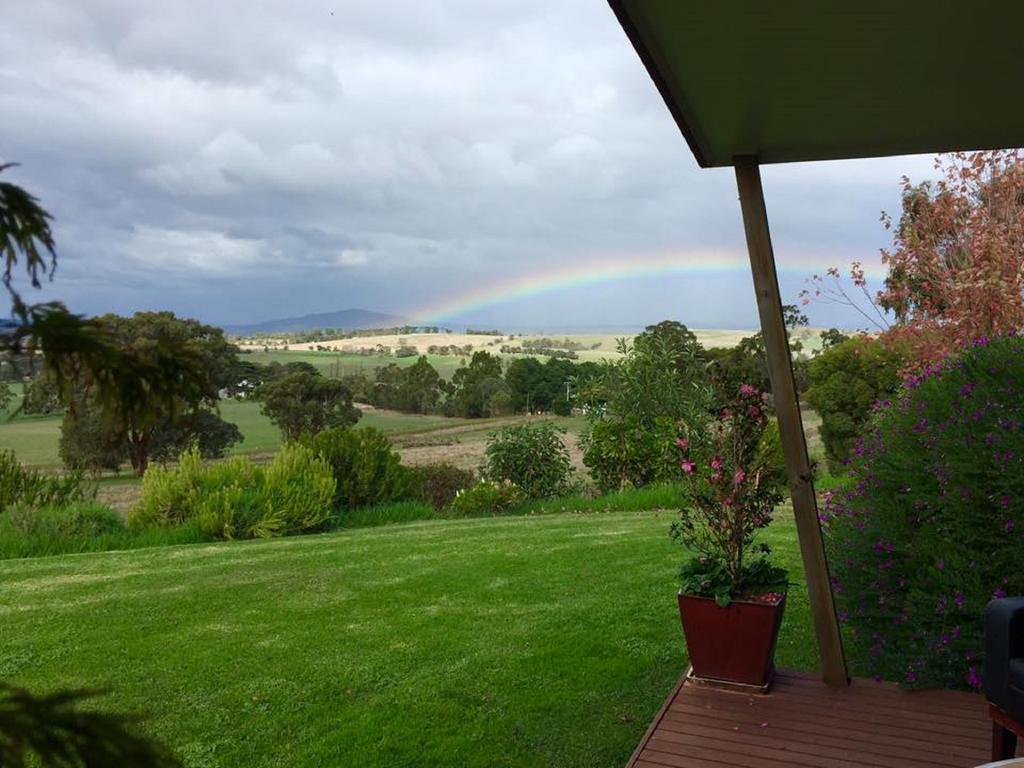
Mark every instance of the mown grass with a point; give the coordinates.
(657, 497)
(524, 641)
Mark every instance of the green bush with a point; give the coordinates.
(80, 519)
(366, 468)
(437, 484)
(931, 525)
(237, 499)
(531, 456)
(32, 488)
(846, 381)
(623, 453)
(486, 498)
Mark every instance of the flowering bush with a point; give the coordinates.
(733, 491)
(932, 525)
(487, 498)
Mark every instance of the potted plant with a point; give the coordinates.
(731, 597)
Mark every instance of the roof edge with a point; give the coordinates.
(672, 100)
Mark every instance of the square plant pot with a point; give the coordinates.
(734, 644)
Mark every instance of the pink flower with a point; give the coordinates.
(687, 466)
(739, 477)
(682, 443)
(716, 463)
(747, 390)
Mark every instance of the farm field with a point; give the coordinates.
(525, 641)
(344, 358)
(35, 439)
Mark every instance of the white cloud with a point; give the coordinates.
(432, 147)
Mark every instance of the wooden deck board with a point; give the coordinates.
(803, 723)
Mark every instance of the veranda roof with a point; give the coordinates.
(787, 80)
(770, 81)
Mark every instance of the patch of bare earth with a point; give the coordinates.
(465, 447)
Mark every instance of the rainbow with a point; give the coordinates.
(539, 282)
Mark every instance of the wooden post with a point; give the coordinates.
(791, 429)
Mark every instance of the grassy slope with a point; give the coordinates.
(35, 439)
(499, 642)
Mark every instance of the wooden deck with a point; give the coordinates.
(804, 723)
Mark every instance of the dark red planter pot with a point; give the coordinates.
(735, 644)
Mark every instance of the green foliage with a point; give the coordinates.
(537, 387)
(42, 397)
(847, 380)
(86, 443)
(307, 403)
(475, 384)
(747, 362)
(731, 498)
(39, 535)
(29, 487)
(708, 577)
(637, 404)
(533, 457)
(6, 397)
(627, 453)
(416, 388)
(931, 524)
(55, 731)
(235, 498)
(365, 466)
(486, 499)
(500, 404)
(437, 484)
(74, 520)
(201, 427)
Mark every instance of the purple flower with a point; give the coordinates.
(973, 679)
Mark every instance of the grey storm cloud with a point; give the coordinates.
(239, 160)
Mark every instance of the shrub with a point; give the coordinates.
(623, 453)
(437, 484)
(931, 526)
(847, 379)
(80, 519)
(728, 474)
(30, 487)
(486, 498)
(640, 402)
(532, 456)
(366, 468)
(237, 499)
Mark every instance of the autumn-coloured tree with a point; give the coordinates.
(955, 271)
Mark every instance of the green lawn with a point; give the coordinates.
(528, 641)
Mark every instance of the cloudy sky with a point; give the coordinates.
(238, 161)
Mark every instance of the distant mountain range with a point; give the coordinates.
(347, 319)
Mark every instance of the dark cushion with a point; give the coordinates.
(1016, 680)
(1004, 655)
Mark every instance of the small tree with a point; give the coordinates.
(847, 380)
(953, 272)
(6, 397)
(305, 403)
(637, 403)
(532, 457)
(42, 397)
